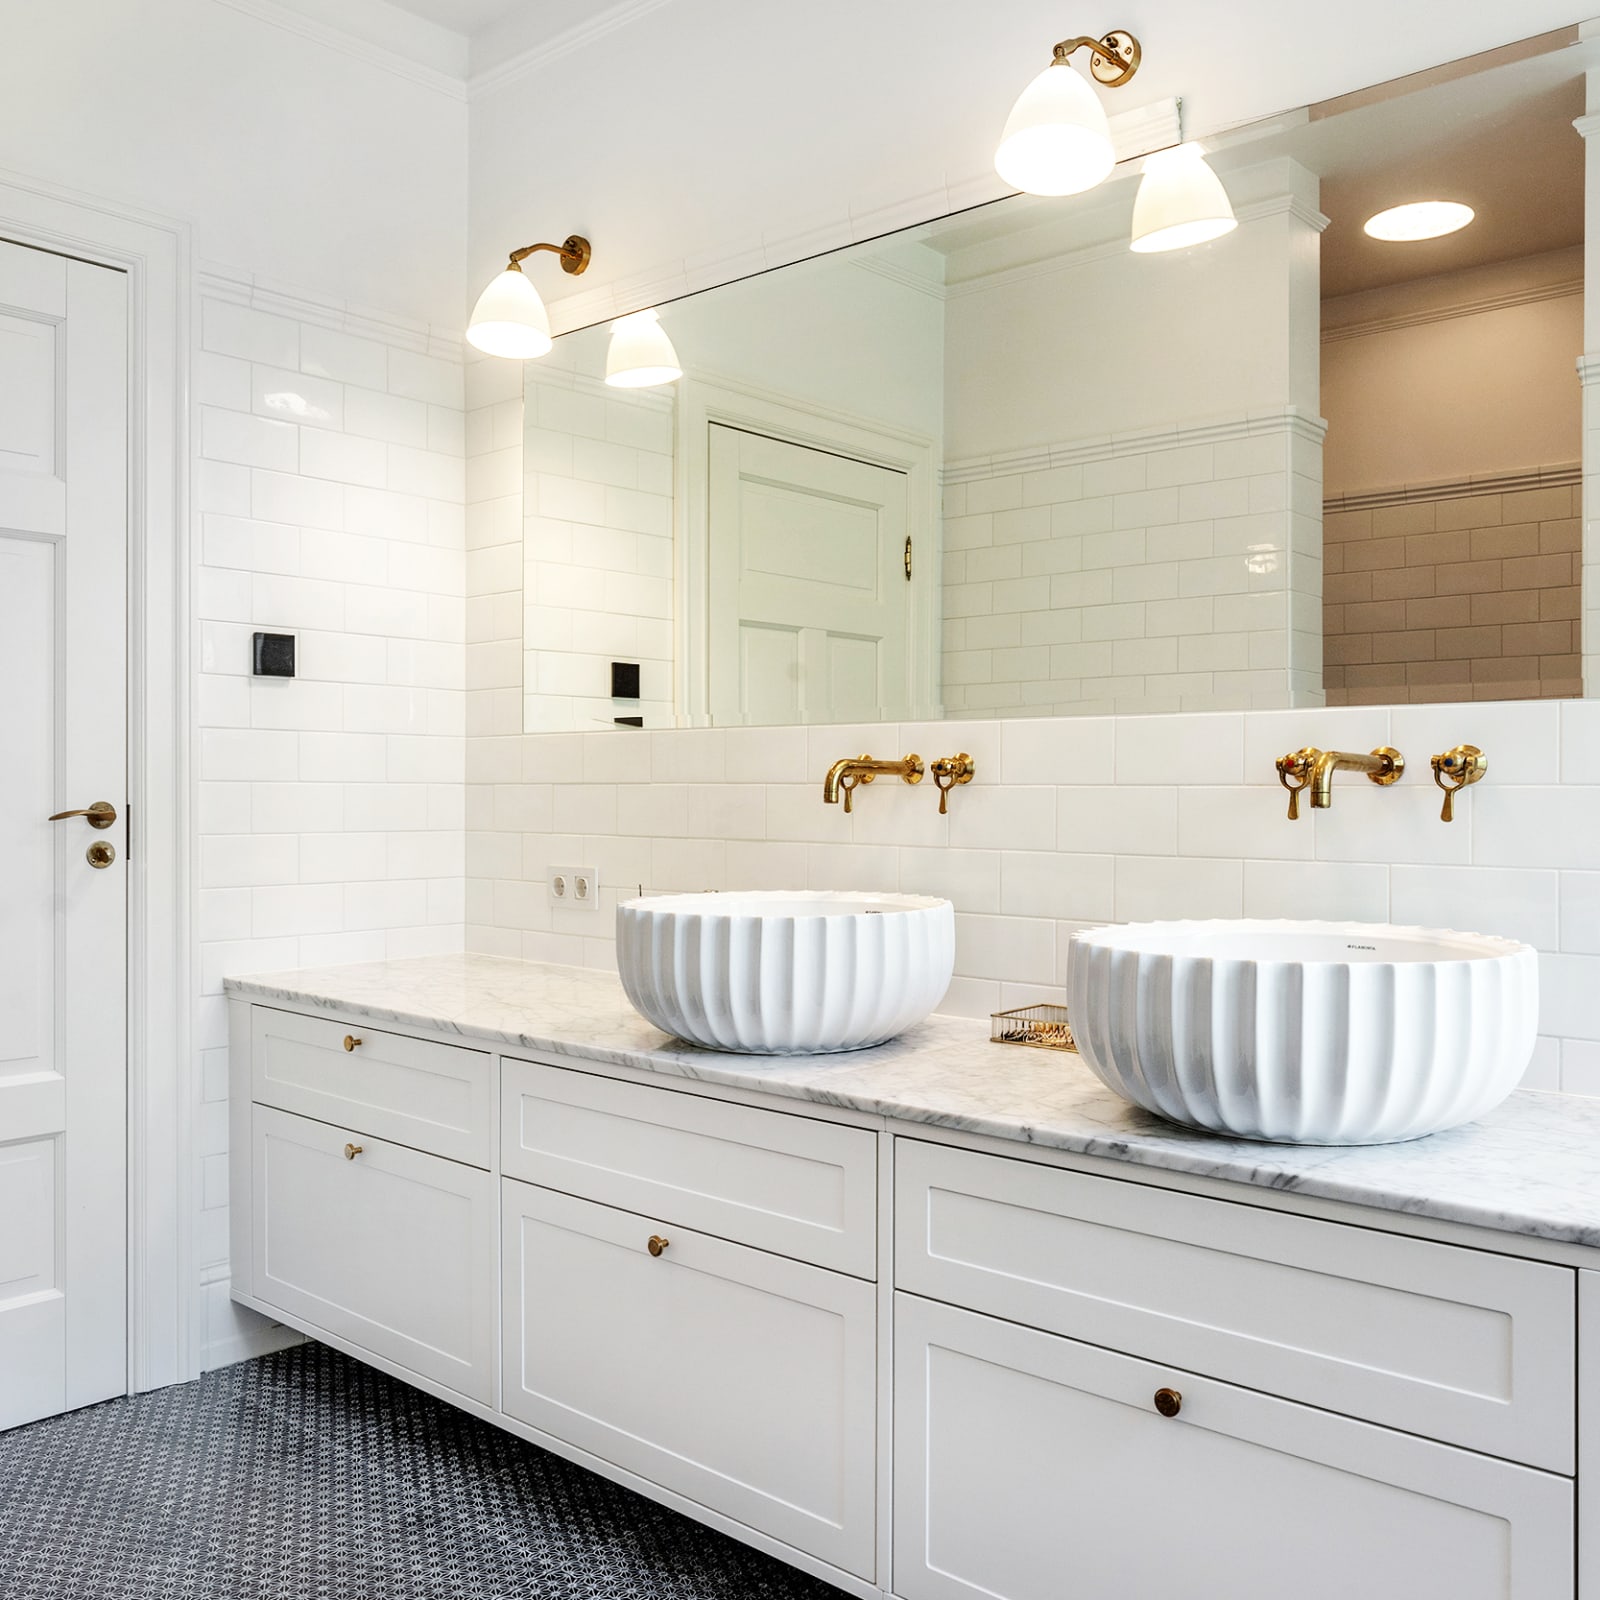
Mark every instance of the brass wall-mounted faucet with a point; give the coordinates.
(844, 776)
(1313, 769)
(948, 771)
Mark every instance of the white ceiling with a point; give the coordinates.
(545, 18)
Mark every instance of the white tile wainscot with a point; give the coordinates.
(1383, 1336)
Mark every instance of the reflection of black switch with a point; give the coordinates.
(624, 680)
(274, 655)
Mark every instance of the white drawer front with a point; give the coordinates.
(392, 1250)
(1451, 1343)
(431, 1096)
(1030, 1467)
(790, 1184)
(742, 1380)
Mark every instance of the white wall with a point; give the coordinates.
(711, 130)
(1462, 376)
(296, 161)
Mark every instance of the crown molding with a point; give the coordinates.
(1556, 477)
(1288, 420)
(1559, 290)
(527, 63)
(277, 15)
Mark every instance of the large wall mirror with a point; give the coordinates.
(1000, 465)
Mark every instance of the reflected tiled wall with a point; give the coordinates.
(1172, 571)
(1460, 595)
(1071, 821)
(329, 503)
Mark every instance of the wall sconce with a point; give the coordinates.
(1181, 202)
(510, 319)
(1057, 139)
(640, 355)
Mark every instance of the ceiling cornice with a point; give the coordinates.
(277, 15)
(528, 62)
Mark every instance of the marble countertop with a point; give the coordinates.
(1531, 1167)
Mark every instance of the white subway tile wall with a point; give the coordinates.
(1070, 822)
(1171, 572)
(329, 503)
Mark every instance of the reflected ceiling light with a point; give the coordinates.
(510, 319)
(1057, 139)
(1421, 219)
(1181, 202)
(641, 354)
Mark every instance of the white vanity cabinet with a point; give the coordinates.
(1317, 1469)
(917, 1362)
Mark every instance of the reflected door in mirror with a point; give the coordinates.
(809, 595)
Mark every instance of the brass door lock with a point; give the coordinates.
(100, 854)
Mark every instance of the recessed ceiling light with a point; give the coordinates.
(1422, 219)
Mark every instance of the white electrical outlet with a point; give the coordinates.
(578, 887)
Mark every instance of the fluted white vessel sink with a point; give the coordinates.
(779, 973)
(1305, 1032)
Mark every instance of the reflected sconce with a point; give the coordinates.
(1181, 202)
(1057, 139)
(640, 355)
(510, 318)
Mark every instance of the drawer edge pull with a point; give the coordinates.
(351, 1151)
(656, 1244)
(350, 1041)
(1168, 1402)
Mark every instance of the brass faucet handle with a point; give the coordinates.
(948, 771)
(1296, 765)
(1453, 771)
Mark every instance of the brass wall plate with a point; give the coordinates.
(1117, 60)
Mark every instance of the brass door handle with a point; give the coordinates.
(656, 1244)
(350, 1041)
(351, 1151)
(100, 815)
(1168, 1402)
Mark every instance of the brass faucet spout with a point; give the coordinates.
(844, 776)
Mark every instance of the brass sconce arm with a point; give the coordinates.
(1112, 60)
(574, 252)
(843, 776)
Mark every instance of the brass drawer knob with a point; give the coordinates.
(657, 1244)
(1168, 1402)
(351, 1151)
(350, 1041)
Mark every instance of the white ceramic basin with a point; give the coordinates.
(785, 973)
(1305, 1032)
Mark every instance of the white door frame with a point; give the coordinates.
(705, 400)
(154, 251)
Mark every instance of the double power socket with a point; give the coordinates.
(577, 887)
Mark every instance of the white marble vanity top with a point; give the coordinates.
(1531, 1167)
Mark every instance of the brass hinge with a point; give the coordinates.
(908, 558)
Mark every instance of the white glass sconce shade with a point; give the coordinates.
(640, 355)
(510, 318)
(1181, 202)
(1057, 139)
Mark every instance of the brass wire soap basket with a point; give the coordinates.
(1045, 1027)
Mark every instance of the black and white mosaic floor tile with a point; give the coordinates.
(307, 1476)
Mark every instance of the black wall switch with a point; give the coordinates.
(274, 655)
(624, 680)
(629, 722)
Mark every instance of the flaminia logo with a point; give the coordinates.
(1371, 947)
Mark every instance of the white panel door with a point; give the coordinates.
(809, 599)
(1030, 1467)
(63, 922)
